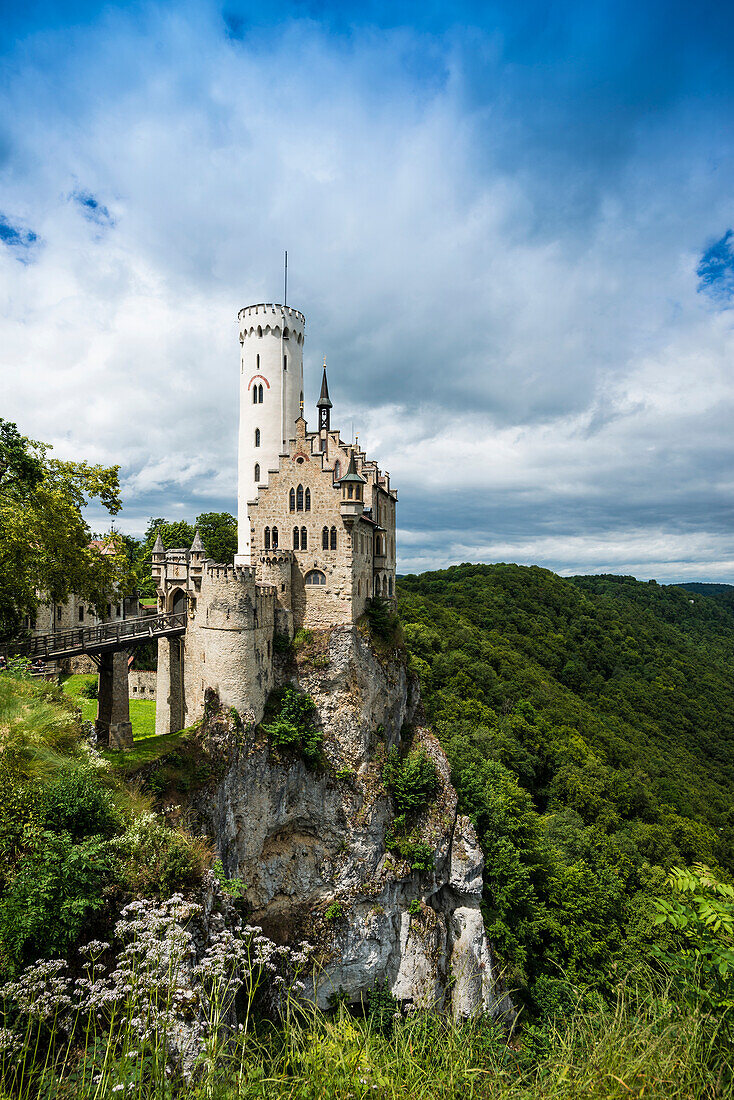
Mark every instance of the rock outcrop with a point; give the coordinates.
(311, 843)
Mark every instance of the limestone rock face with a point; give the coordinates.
(311, 844)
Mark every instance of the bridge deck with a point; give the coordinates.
(105, 638)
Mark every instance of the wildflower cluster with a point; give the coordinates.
(168, 985)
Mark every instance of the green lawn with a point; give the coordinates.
(142, 711)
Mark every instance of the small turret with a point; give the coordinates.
(324, 404)
(197, 546)
(352, 502)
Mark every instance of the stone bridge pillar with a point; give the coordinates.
(170, 706)
(113, 724)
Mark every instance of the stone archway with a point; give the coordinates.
(177, 600)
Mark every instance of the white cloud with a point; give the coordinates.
(558, 365)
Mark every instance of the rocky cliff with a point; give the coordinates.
(314, 843)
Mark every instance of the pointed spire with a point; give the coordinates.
(158, 547)
(351, 474)
(197, 546)
(324, 404)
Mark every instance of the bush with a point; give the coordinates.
(292, 724)
(159, 860)
(383, 621)
(76, 803)
(57, 884)
(413, 780)
(409, 846)
(334, 911)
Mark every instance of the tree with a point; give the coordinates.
(45, 551)
(218, 532)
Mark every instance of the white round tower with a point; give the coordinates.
(271, 391)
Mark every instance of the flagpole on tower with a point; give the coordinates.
(285, 281)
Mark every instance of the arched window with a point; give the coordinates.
(299, 498)
(267, 538)
(275, 538)
(325, 538)
(259, 330)
(254, 395)
(304, 539)
(260, 394)
(296, 539)
(389, 587)
(308, 500)
(315, 576)
(257, 437)
(333, 538)
(337, 470)
(292, 500)
(384, 586)
(257, 471)
(286, 334)
(350, 487)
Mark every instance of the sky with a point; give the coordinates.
(509, 226)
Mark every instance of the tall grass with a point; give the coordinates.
(645, 1045)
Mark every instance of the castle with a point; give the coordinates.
(316, 537)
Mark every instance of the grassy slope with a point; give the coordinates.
(142, 711)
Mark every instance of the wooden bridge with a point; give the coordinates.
(107, 645)
(105, 638)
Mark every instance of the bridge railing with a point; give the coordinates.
(102, 636)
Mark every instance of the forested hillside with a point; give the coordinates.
(590, 727)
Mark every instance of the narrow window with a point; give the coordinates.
(308, 500)
(285, 362)
(257, 471)
(257, 437)
(359, 588)
(304, 539)
(275, 538)
(333, 538)
(259, 332)
(258, 354)
(325, 538)
(267, 538)
(81, 614)
(389, 586)
(337, 470)
(299, 498)
(292, 500)
(260, 394)
(254, 395)
(350, 488)
(296, 543)
(323, 443)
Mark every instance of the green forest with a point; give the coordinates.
(589, 723)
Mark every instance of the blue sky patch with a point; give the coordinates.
(14, 236)
(716, 269)
(92, 208)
